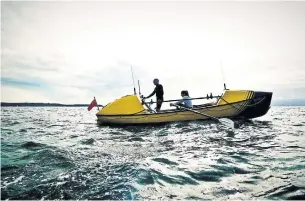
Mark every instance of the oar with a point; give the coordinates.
(225, 121)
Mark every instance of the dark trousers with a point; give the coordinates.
(159, 103)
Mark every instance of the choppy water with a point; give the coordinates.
(61, 153)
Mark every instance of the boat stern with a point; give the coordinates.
(257, 106)
(251, 104)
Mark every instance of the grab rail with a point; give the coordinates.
(208, 97)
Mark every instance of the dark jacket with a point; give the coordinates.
(158, 91)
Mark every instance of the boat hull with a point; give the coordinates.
(259, 106)
(256, 105)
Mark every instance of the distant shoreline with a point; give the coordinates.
(5, 104)
(288, 102)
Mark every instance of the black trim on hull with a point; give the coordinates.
(260, 104)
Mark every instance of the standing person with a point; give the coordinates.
(159, 94)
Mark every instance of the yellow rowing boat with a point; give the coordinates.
(234, 104)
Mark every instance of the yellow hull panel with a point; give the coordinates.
(145, 118)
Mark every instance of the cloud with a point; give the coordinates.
(78, 50)
(21, 94)
(8, 81)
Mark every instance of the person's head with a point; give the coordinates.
(156, 81)
(184, 93)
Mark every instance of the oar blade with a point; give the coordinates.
(228, 122)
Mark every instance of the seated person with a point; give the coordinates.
(186, 102)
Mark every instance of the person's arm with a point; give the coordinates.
(179, 102)
(153, 93)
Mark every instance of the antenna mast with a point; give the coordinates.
(134, 88)
(223, 76)
(139, 88)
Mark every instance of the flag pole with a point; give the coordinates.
(96, 104)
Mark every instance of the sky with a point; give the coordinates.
(70, 51)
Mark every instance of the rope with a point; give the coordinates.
(255, 103)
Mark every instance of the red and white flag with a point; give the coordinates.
(92, 104)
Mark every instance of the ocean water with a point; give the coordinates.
(61, 153)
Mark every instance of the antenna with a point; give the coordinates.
(223, 76)
(134, 88)
(139, 88)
